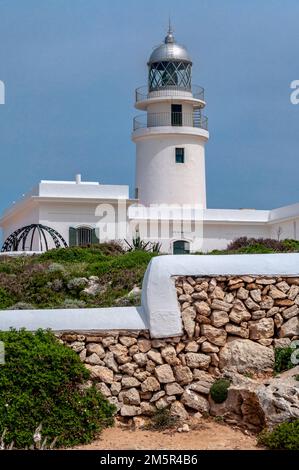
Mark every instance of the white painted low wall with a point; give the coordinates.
(85, 320)
(160, 310)
(159, 299)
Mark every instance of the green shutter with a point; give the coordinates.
(94, 238)
(72, 236)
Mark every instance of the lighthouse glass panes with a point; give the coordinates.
(170, 75)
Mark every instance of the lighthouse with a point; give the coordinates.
(171, 134)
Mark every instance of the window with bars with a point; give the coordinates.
(82, 236)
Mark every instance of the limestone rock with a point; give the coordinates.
(164, 374)
(195, 401)
(267, 302)
(290, 312)
(156, 396)
(174, 389)
(256, 295)
(261, 329)
(219, 318)
(272, 311)
(140, 359)
(244, 355)
(130, 396)
(169, 355)
(144, 345)
(129, 382)
(251, 304)
(115, 388)
(187, 288)
(218, 293)
(155, 356)
(161, 403)
(202, 295)
(207, 347)
(202, 386)
(203, 308)
(77, 346)
(276, 293)
(282, 342)
(150, 384)
(214, 335)
(102, 387)
(107, 341)
(265, 281)
(265, 404)
(278, 320)
(178, 409)
(147, 409)
(221, 305)
(293, 292)
(128, 369)
(242, 293)
(290, 328)
(127, 341)
(110, 361)
(96, 348)
(183, 375)
(102, 373)
(192, 346)
(94, 359)
(237, 330)
(130, 410)
(188, 317)
(258, 314)
(197, 360)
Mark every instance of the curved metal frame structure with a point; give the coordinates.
(20, 236)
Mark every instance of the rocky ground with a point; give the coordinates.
(204, 435)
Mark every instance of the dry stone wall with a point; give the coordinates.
(229, 324)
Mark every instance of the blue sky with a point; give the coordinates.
(71, 66)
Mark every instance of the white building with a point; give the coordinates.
(170, 191)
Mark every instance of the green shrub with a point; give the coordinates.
(163, 419)
(285, 436)
(283, 359)
(219, 390)
(291, 245)
(39, 384)
(6, 300)
(76, 254)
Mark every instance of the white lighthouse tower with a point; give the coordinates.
(170, 137)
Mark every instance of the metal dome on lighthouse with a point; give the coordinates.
(170, 65)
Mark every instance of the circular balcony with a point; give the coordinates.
(195, 119)
(195, 95)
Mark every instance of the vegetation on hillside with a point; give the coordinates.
(101, 275)
(42, 383)
(62, 278)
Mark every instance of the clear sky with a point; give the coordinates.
(71, 66)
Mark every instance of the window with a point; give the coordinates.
(82, 236)
(181, 247)
(136, 193)
(179, 155)
(176, 115)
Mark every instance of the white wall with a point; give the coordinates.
(160, 179)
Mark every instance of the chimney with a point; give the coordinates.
(78, 179)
